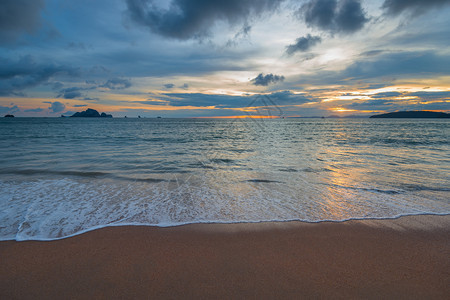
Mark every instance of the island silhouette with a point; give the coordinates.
(90, 113)
(413, 114)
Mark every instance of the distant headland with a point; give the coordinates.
(413, 114)
(90, 113)
(9, 116)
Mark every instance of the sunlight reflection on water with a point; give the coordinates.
(86, 173)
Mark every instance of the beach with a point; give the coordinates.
(408, 257)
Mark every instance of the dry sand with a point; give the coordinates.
(404, 258)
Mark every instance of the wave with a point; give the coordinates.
(50, 209)
(401, 190)
(262, 181)
(166, 225)
(90, 174)
(87, 174)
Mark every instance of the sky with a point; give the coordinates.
(215, 58)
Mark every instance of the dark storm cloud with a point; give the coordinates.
(344, 16)
(140, 62)
(169, 85)
(71, 93)
(15, 76)
(117, 84)
(57, 85)
(186, 19)
(225, 101)
(75, 92)
(18, 17)
(303, 44)
(56, 106)
(415, 7)
(265, 80)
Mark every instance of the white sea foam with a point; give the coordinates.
(54, 209)
(60, 177)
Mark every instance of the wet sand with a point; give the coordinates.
(405, 258)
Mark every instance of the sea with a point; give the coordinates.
(60, 177)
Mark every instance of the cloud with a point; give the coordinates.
(374, 105)
(225, 101)
(370, 104)
(68, 113)
(185, 86)
(169, 85)
(76, 92)
(116, 84)
(289, 98)
(187, 19)
(71, 93)
(373, 72)
(415, 7)
(372, 53)
(56, 106)
(183, 59)
(431, 95)
(76, 46)
(410, 63)
(15, 76)
(57, 85)
(34, 110)
(393, 105)
(346, 16)
(385, 95)
(199, 99)
(303, 44)
(265, 80)
(80, 105)
(18, 17)
(9, 110)
(242, 34)
(111, 84)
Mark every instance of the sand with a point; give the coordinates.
(405, 258)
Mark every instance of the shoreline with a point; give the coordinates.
(269, 223)
(405, 257)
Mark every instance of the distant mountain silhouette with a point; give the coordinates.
(9, 116)
(413, 114)
(90, 113)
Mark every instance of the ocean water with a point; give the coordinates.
(63, 176)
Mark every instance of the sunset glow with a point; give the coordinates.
(61, 59)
